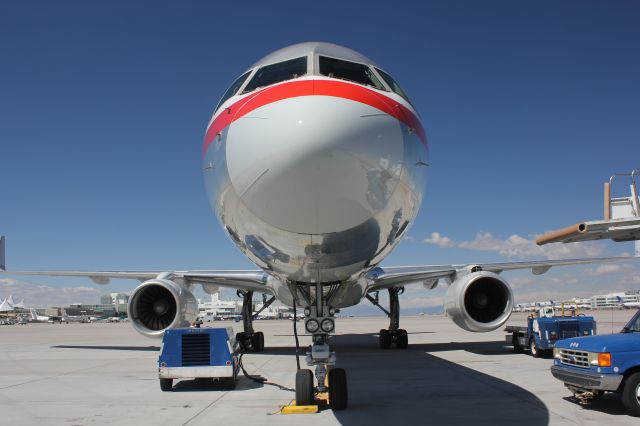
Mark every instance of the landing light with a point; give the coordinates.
(327, 325)
(312, 326)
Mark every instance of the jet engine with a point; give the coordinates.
(480, 301)
(159, 304)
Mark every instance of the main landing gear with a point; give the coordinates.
(394, 335)
(250, 340)
(320, 323)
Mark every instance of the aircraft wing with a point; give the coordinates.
(428, 275)
(242, 280)
(252, 280)
(627, 229)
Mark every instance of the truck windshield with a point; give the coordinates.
(633, 326)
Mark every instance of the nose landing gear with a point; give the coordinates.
(332, 382)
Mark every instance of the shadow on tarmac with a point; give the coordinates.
(609, 403)
(413, 387)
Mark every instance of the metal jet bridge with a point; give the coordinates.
(621, 219)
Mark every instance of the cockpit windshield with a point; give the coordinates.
(393, 84)
(233, 89)
(275, 73)
(351, 71)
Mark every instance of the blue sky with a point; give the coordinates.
(529, 107)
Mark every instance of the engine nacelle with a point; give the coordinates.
(481, 301)
(159, 304)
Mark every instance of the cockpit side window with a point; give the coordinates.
(275, 73)
(233, 89)
(393, 84)
(350, 71)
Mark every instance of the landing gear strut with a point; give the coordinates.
(320, 323)
(394, 334)
(248, 339)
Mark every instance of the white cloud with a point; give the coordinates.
(36, 295)
(522, 248)
(439, 240)
(519, 247)
(604, 269)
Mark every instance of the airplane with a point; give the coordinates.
(83, 318)
(627, 305)
(34, 317)
(315, 162)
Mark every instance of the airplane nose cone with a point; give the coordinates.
(315, 164)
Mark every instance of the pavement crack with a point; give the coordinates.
(205, 408)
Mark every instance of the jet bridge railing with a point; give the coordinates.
(622, 207)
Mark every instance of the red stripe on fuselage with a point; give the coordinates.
(298, 88)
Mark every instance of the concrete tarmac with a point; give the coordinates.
(86, 374)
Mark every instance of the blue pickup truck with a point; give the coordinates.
(591, 366)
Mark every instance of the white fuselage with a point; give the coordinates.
(316, 179)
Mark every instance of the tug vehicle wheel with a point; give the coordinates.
(166, 385)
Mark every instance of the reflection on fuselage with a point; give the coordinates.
(316, 187)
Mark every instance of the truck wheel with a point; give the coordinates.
(535, 351)
(631, 394)
(304, 387)
(166, 385)
(516, 346)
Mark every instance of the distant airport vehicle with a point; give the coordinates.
(34, 317)
(315, 163)
(591, 366)
(545, 329)
(199, 353)
(7, 321)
